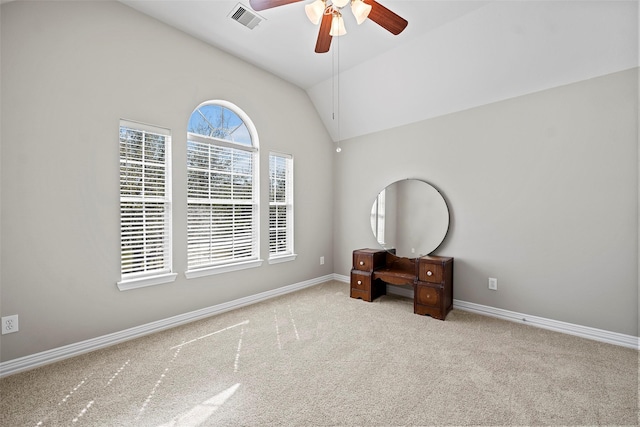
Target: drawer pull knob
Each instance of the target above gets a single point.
(361, 262)
(359, 282)
(429, 273)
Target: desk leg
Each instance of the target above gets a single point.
(378, 288)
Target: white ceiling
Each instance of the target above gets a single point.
(453, 55)
(284, 42)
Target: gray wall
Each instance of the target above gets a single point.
(543, 189)
(70, 71)
(543, 193)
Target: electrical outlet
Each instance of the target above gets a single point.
(9, 324)
(493, 284)
(321, 260)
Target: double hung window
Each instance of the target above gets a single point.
(145, 205)
(222, 191)
(280, 208)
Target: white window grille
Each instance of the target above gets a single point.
(280, 208)
(222, 191)
(145, 205)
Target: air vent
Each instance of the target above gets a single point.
(245, 16)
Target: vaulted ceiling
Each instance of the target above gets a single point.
(453, 55)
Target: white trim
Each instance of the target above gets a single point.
(127, 285)
(225, 268)
(210, 140)
(609, 337)
(240, 112)
(282, 258)
(162, 275)
(341, 278)
(290, 208)
(553, 325)
(54, 355)
(145, 127)
(253, 148)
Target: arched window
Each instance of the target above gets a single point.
(222, 194)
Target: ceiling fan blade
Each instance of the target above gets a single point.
(324, 38)
(268, 4)
(386, 18)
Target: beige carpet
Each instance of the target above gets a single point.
(319, 358)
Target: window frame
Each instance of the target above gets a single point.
(165, 273)
(228, 265)
(289, 253)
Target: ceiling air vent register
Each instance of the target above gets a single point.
(246, 17)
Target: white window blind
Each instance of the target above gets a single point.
(222, 213)
(145, 201)
(280, 205)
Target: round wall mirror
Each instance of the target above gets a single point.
(410, 218)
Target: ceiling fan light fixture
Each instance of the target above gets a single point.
(360, 10)
(315, 11)
(328, 13)
(337, 25)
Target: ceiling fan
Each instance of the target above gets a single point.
(329, 14)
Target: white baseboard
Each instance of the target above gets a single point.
(46, 357)
(554, 325)
(54, 355)
(341, 278)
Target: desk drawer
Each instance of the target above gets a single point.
(435, 269)
(430, 272)
(360, 281)
(368, 259)
(428, 295)
(364, 286)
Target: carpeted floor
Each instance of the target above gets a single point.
(319, 358)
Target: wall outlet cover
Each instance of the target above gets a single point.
(9, 324)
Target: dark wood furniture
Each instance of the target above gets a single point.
(430, 276)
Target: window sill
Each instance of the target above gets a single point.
(208, 271)
(282, 258)
(127, 285)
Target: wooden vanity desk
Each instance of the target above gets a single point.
(430, 276)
